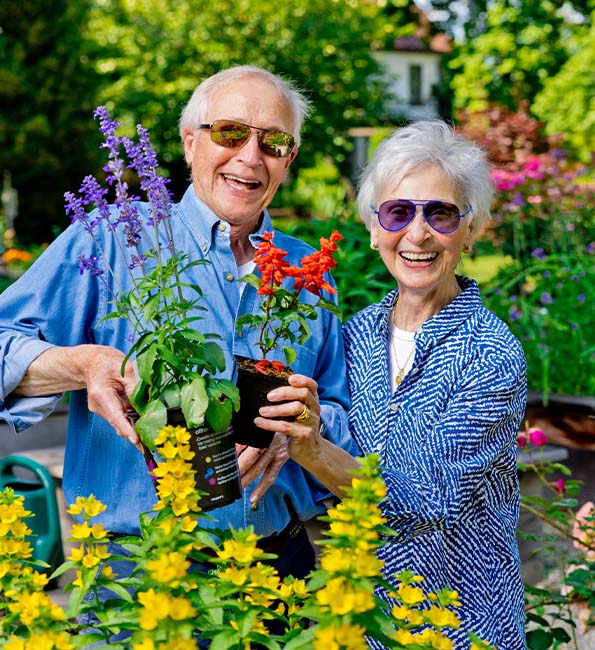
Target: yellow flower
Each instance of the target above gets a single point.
(404, 637)
(434, 639)
(145, 644)
(156, 607)
(242, 551)
(341, 598)
(439, 617)
(87, 506)
(84, 531)
(344, 637)
(410, 595)
(235, 575)
(170, 567)
(181, 609)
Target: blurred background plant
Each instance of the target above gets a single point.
(561, 607)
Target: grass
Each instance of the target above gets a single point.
(483, 268)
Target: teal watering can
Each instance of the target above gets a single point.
(38, 488)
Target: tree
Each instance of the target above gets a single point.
(155, 53)
(47, 93)
(567, 101)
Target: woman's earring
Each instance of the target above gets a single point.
(374, 245)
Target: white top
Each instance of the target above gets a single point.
(402, 353)
(243, 270)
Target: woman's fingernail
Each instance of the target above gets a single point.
(272, 395)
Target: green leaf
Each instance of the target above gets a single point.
(144, 363)
(194, 402)
(171, 395)
(139, 396)
(290, 355)
(153, 419)
(539, 639)
(219, 414)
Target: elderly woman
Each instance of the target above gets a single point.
(437, 386)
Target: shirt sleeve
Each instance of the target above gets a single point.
(469, 456)
(49, 305)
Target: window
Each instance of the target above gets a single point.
(415, 85)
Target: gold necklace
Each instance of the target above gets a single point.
(400, 370)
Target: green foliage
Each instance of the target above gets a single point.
(556, 607)
(155, 53)
(48, 87)
(548, 305)
(567, 101)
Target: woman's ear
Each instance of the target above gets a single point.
(373, 237)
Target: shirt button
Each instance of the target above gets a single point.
(204, 248)
(221, 226)
(379, 447)
(394, 407)
(229, 277)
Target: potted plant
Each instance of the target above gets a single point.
(282, 317)
(177, 365)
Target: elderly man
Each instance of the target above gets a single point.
(52, 339)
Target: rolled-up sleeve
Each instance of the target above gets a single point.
(46, 307)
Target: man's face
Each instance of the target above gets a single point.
(237, 184)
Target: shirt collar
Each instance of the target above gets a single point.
(447, 319)
(202, 221)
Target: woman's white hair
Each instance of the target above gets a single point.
(434, 142)
(196, 110)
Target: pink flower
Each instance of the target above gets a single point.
(537, 437)
(560, 486)
(521, 439)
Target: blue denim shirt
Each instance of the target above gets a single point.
(53, 305)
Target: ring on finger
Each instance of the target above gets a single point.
(304, 415)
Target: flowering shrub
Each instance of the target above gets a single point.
(175, 362)
(187, 584)
(282, 315)
(560, 610)
(548, 305)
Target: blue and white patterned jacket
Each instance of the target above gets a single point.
(447, 440)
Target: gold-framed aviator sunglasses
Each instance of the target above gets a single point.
(232, 134)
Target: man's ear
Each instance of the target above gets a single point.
(291, 158)
(188, 139)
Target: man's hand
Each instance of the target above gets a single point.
(268, 462)
(94, 367)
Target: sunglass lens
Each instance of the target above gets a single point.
(442, 216)
(276, 143)
(395, 215)
(229, 134)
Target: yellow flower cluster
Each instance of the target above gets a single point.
(422, 618)
(341, 596)
(157, 606)
(13, 530)
(41, 641)
(342, 637)
(176, 487)
(33, 606)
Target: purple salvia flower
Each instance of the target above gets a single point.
(89, 264)
(581, 297)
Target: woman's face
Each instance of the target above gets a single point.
(418, 257)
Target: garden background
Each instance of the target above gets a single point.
(520, 79)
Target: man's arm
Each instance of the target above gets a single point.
(97, 368)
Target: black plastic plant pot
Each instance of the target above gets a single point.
(254, 386)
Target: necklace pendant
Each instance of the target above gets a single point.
(400, 375)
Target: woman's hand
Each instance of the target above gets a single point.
(300, 406)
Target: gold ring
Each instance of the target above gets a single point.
(304, 415)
